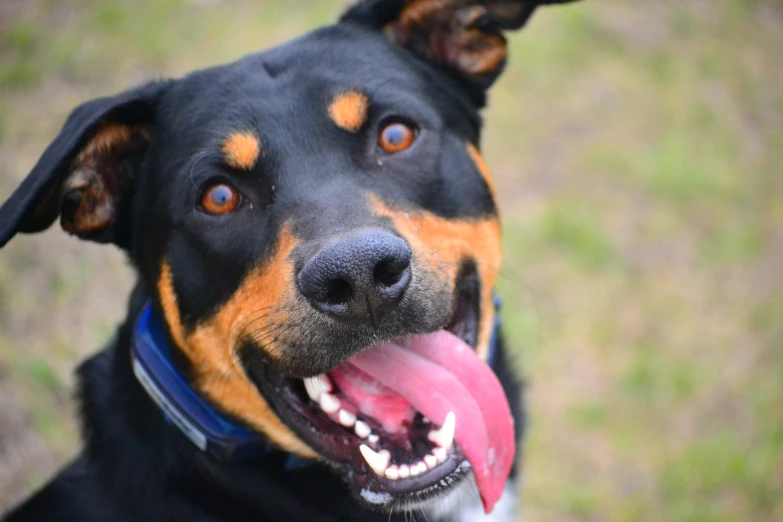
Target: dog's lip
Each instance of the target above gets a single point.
(339, 448)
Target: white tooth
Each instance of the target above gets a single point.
(329, 403)
(405, 471)
(378, 461)
(373, 439)
(431, 461)
(362, 429)
(324, 383)
(313, 388)
(440, 454)
(418, 468)
(444, 437)
(346, 418)
(392, 472)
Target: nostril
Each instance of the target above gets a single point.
(338, 292)
(387, 274)
(360, 275)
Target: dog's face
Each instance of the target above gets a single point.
(267, 172)
(319, 231)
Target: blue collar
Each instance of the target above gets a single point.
(211, 431)
(208, 429)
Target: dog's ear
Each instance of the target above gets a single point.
(85, 174)
(464, 36)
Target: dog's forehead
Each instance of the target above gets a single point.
(288, 86)
(339, 52)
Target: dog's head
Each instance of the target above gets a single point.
(318, 229)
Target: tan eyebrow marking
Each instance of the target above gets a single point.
(349, 110)
(241, 150)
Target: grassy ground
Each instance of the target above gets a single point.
(637, 147)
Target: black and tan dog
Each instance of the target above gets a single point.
(313, 332)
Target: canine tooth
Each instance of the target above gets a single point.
(392, 472)
(440, 454)
(346, 418)
(373, 439)
(324, 383)
(405, 471)
(418, 468)
(378, 461)
(444, 437)
(362, 429)
(329, 403)
(431, 461)
(313, 388)
(317, 385)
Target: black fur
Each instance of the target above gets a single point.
(136, 466)
(311, 175)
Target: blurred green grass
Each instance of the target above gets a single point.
(637, 149)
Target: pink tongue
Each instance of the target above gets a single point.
(438, 373)
(373, 399)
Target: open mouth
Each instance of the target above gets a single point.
(406, 420)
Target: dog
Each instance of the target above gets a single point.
(313, 335)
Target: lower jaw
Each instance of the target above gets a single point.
(342, 453)
(415, 493)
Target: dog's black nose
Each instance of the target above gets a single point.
(359, 276)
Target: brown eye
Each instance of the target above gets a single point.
(396, 137)
(219, 199)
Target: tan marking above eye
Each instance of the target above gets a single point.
(349, 110)
(481, 165)
(211, 347)
(241, 150)
(442, 244)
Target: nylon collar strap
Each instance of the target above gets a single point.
(211, 431)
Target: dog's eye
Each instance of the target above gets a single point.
(396, 137)
(219, 199)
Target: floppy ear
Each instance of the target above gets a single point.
(464, 36)
(85, 174)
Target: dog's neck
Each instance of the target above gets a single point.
(152, 469)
